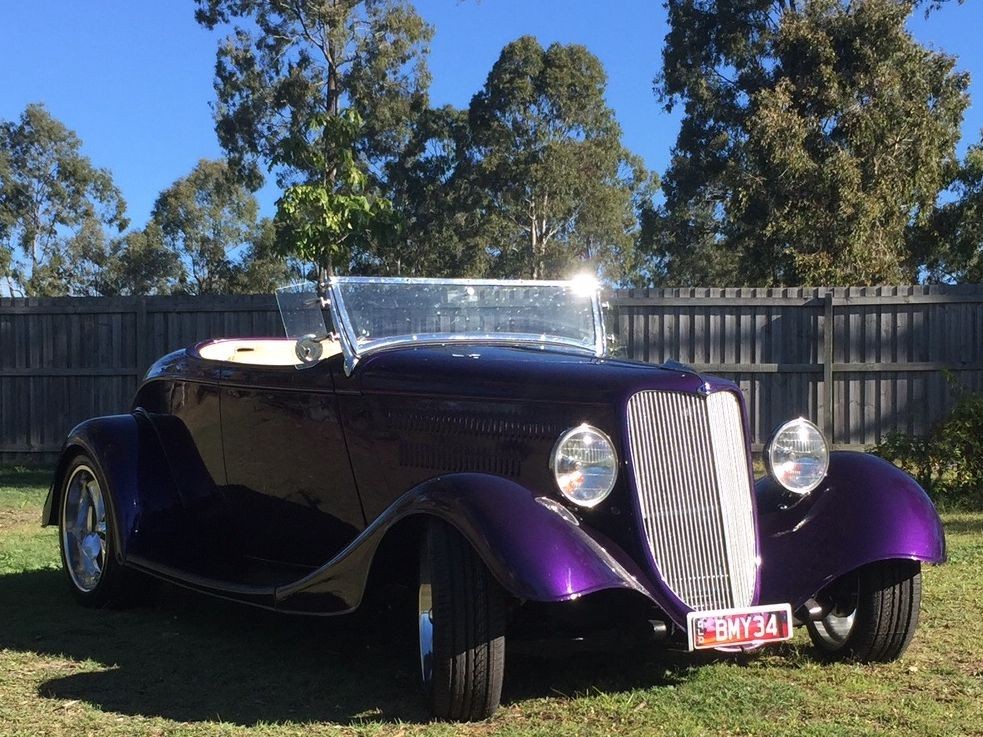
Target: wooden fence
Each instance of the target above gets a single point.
(862, 362)
(65, 359)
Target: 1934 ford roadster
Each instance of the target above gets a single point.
(473, 440)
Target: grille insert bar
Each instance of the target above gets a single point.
(693, 487)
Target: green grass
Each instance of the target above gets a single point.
(190, 665)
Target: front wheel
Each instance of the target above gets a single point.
(872, 613)
(461, 619)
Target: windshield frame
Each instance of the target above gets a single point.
(353, 352)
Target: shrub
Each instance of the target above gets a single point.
(948, 461)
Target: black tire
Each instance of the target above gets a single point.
(463, 666)
(114, 586)
(873, 613)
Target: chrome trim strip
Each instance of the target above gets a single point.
(457, 282)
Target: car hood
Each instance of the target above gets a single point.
(522, 373)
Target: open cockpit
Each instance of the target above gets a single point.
(261, 351)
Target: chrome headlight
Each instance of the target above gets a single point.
(584, 465)
(797, 456)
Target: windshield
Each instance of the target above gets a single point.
(300, 311)
(375, 313)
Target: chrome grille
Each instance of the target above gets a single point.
(691, 474)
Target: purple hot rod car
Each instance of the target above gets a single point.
(472, 441)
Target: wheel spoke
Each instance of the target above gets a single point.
(82, 509)
(89, 571)
(99, 508)
(72, 541)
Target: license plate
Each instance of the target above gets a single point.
(731, 627)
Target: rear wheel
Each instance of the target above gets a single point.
(461, 611)
(873, 613)
(87, 535)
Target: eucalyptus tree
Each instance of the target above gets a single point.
(814, 133)
(137, 263)
(204, 218)
(262, 268)
(323, 93)
(556, 185)
(54, 207)
(950, 242)
(443, 227)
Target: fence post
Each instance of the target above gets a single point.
(828, 365)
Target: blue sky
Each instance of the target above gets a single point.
(134, 79)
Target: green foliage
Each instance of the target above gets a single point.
(331, 221)
(950, 242)
(555, 185)
(948, 461)
(201, 218)
(331, 97)
(322, 226)
(444, 231)
(289, 66)
(261, 268)
(814, 134)
(322, 93)
(54, 207)
(203, 238)
(136, 263)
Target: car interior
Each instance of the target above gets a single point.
(262, 351)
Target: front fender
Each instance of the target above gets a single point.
(866, 510)
(534, 553)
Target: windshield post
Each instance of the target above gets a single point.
(345, 330)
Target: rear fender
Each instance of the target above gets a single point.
(533, 552)
(127, 452)
(866, 510)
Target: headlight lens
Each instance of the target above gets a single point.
(797, 456)
(584, 465)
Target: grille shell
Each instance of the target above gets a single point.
(693, 487)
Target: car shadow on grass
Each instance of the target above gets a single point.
(188, 657)
(192, 658)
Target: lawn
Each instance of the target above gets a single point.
(190, 665)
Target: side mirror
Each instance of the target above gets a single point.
(308, 349)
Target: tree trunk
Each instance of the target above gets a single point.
(533, 244)
(330, 170)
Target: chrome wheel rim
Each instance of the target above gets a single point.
(836, 627)
(83, 535)
(425, 622)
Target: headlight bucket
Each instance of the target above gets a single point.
(584, 465)
(797, 456)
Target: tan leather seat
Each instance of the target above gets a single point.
(261, 351)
